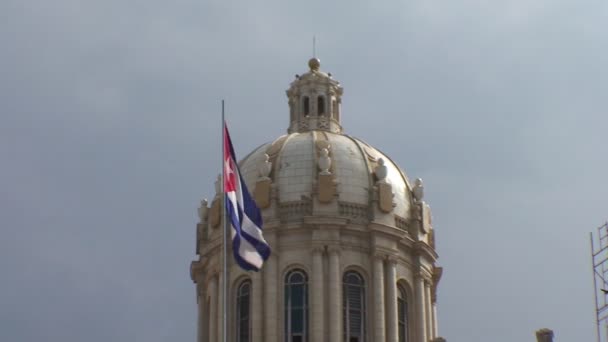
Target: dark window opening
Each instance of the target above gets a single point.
(296, 306)
(243, 312)
(306, 105)
(353, 300)
(320, 105)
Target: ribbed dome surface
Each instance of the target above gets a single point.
(295, 169)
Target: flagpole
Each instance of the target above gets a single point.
(225, 238)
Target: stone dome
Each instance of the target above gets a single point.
(342, 218)
(356, 169)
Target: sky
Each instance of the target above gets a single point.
(110, 128)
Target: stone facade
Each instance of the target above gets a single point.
(342, 217)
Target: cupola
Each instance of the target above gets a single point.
(314, 101)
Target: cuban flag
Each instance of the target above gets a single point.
(248, 245)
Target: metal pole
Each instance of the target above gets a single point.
(597, 321)
(225, 237)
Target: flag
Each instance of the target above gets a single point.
(248, 245)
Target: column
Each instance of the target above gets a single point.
(317, 295)
(202, 307)
(271, 299)
(334, 296)
(220, 308)
(420, 306)
(256, 307)
(378, 280)
(428, 310)
(435, 323)
(391, 300)
(213, 314)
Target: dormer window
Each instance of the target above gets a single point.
(306, 105)
(320, 105)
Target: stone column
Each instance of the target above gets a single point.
(271, 299)
(420, 306)
(429, 311)
(220, 308)
(435, 323)
(213, 313)
(334, 296)
(317, 319)
(202, 307)
(256, 307)
(391, 301)
(378, 280)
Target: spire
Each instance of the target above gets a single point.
(314, 101)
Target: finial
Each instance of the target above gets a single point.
(314, 64)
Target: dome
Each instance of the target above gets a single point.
(354, 170)
(338, 215)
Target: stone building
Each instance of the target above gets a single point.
(353, 247)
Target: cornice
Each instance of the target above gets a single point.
(325, 221)
(422, 249)
(387, 230)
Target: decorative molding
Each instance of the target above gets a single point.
(356, 212)
(436, 276)
(295, 210)
(401, 223)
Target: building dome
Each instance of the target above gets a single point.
(353, 250)
(355, 170)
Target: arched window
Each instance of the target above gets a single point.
(243, 317)
(320, 105)
(296, 306)
(306, 105)
(354, 307)
(402, 319)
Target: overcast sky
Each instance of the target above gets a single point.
(109, 137)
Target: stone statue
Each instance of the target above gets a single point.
(324, 162)
(381, 171)
(203, 210)
(265, 167)
(418, 190)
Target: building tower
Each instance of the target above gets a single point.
(353, 249)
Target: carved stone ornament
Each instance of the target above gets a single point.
(203, 211)
(263, 188)
(418, 190)
(327, 187)
(381, 171)
(385, 197)
(324, 162)
(265, 167)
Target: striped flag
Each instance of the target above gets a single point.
(248, 245)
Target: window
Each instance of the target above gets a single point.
(306, 105)
(402, 320)
(354, 307)
(320, 105)
(296, 306)
(243, 312)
